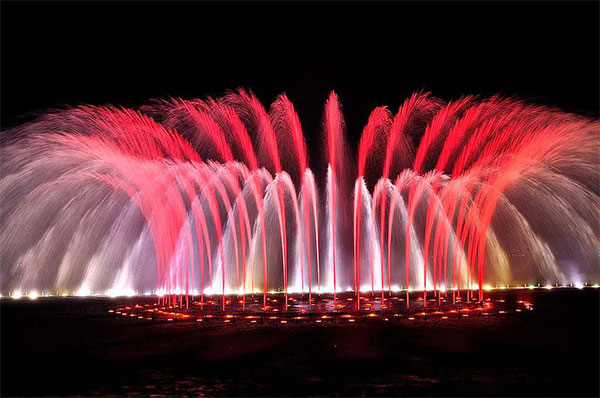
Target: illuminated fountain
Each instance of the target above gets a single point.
(193, 200)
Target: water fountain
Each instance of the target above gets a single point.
(214, 201)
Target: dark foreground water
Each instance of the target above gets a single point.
(71, 346)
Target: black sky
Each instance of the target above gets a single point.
(371, 54)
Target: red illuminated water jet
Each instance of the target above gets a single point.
(229, 205)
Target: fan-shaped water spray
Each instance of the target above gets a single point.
(191, 197)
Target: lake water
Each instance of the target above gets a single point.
(74, 347)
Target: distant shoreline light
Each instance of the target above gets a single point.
(127, 293)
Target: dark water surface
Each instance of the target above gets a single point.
(73, 347)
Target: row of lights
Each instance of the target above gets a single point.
(130, 293)
(349, 318)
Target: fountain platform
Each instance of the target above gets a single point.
(323, 308)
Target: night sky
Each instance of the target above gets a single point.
(125, 54)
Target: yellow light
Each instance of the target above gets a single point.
(83, 291)
(548, 287)
(17, 295)
(33, 295)
(116, 292)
